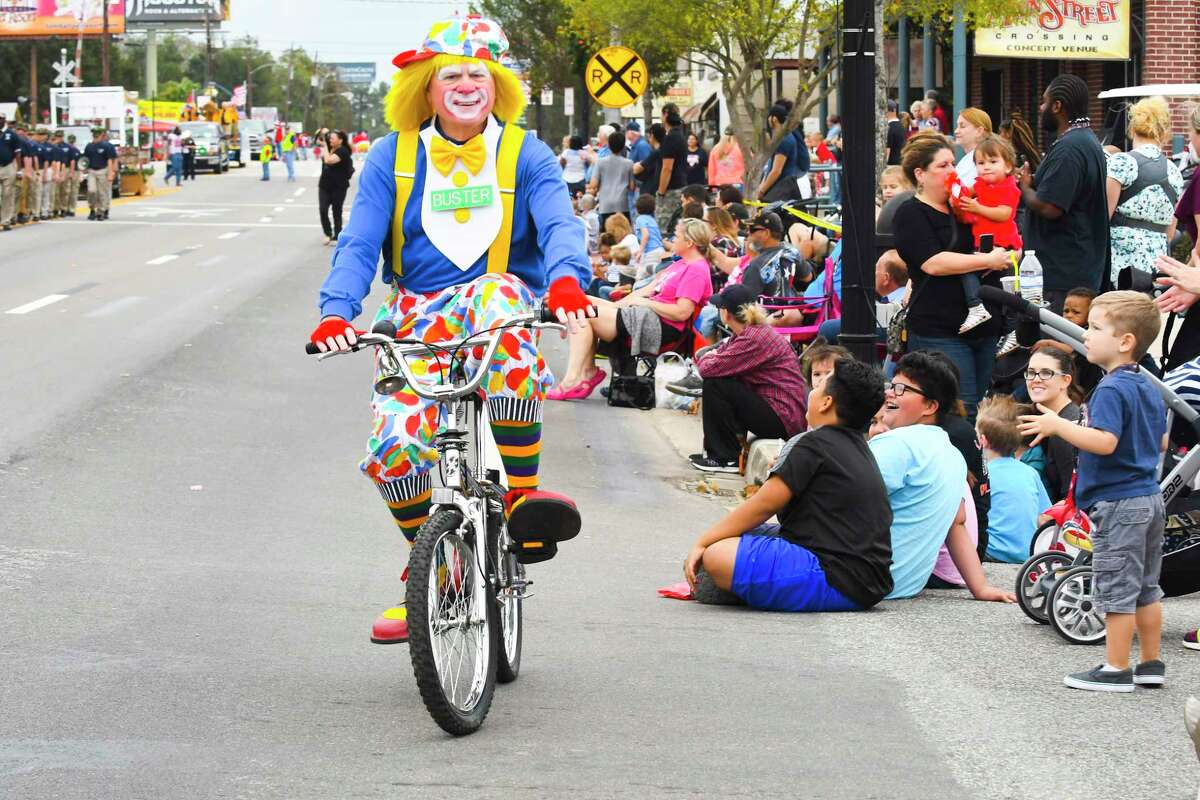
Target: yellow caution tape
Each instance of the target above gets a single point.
(806, 217)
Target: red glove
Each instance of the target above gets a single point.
(566, 295)
(334, 328)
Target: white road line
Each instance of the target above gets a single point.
(212, 262)
(115, 306)
(265, 219)
(36, 304)
(289, 200)
(230, 235)
(154, 262)
(161, 223)
(278, 209)
(298, 192)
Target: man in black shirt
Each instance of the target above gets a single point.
(672, 176)
(10, 155)
(832, 549)
(102, 169)
(72, 180)
(1067, 200)
(894, 139)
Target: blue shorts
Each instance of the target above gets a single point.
(774, 574)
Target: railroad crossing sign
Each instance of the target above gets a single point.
(616, 76)
(64, 69)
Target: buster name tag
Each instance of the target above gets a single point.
(464, 197)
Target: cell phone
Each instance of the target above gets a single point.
(986, 243)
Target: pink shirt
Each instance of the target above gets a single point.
(944, 566)
(691, 280)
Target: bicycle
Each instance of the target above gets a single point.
(466, 577)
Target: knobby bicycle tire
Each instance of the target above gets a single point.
(448, 521)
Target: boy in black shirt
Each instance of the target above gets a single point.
(832, 549)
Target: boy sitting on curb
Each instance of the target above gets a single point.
(831, 550)
(1116, 481)
(1018, 495)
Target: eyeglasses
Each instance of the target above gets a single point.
(1041, 374)
(898, 389)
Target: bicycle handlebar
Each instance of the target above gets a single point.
(383, 334)
(540, 318)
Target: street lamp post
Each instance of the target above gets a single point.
(249, 74)
(858, 209)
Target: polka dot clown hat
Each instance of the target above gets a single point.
(471, 36)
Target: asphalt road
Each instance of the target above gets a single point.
(189, 565)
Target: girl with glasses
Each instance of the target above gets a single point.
(1049, 378)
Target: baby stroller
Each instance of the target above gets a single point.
(1054, 587)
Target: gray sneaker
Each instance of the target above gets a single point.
(1150, 673)
(1099, 679)
(691, 385)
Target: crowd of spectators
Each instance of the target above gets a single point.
(954, 461)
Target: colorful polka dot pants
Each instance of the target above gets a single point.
(400, 451)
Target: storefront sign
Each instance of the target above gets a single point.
(40, 18)
(1058, 29)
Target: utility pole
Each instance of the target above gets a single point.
(33, 84)
(104, 45)
(287, 105)
(208, 70)
(151, 63)
(858, 182)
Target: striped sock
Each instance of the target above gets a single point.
(409, 501)
(520, 445)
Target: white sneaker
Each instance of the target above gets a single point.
(976, 315)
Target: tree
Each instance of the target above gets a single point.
(736, 38)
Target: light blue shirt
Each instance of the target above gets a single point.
(924, 475)
(1018, 496)
(817, 287)
(642, 222)
(546, 240)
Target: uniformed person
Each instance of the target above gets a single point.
(34, 206)
(72, 180)
(10, 157)
(59, 146)
(49, 170)
(102, 169)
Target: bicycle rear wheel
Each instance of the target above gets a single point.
(451, 639)
(509, 617)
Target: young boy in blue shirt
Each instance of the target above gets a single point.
(1018, 495)
(1117, 482)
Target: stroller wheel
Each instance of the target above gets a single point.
(1036, 580)
(1047, 538)
(1070, 608)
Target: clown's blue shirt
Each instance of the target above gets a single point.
(548, 240)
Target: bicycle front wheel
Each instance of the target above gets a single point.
(451, 639)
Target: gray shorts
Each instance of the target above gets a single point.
(1127, 553)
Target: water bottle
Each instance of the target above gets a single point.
(1031, 277)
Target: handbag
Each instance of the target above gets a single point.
(633, 387)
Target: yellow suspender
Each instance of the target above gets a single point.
(406, 167)
(506, 175)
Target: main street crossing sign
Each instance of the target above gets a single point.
(616, 76)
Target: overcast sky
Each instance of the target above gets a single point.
(340, 30)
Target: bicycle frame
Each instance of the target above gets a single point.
(474, 495)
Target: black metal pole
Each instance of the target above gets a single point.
(858, 180)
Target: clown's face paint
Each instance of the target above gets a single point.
(463, 93)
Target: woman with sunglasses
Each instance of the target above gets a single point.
(1049, 378)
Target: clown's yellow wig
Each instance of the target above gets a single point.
(407, 103)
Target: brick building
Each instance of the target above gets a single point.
(1164, 48)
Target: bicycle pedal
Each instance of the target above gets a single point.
(534, 551)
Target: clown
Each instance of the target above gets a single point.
(474, 224)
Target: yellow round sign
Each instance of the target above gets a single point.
(616, 76)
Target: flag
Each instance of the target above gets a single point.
(239, 96)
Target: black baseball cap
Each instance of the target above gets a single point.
(733, 297)
(768, 220)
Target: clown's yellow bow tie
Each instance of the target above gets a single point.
(472, 154)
